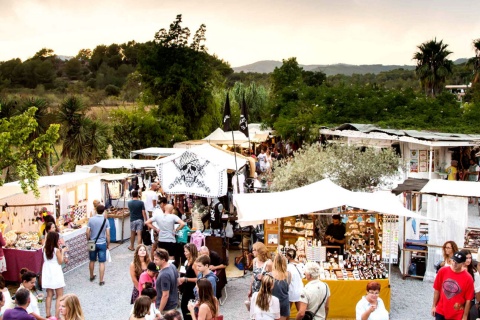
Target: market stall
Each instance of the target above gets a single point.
(371, 237)
(447, 202)
(67, 198)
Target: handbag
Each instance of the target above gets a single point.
(92, 245)
(309, 315)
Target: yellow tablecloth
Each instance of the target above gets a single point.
(344, 295)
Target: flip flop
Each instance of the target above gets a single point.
(93, 278)
(102, 283)
(131, 249)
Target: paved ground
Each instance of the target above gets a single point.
(410, 299)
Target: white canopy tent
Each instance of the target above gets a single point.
(254, 208)
(156, 152)
(220, 137)
(124, 163)
(447, 201)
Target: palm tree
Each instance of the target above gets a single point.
(84, 139)
(433, 65)
(476, 60)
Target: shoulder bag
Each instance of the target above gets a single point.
(92, 245)
(309, 315)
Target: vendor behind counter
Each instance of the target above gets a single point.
(335, 234)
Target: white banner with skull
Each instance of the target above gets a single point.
(189, 173)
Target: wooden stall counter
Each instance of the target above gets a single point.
(344, 295)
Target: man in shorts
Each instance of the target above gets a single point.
(166, 229)
(103, 242)
(137, 217)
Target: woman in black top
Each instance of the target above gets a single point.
(188, 282)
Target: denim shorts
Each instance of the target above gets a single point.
(100, 251)
(136, 225)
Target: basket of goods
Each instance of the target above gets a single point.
(10, 238)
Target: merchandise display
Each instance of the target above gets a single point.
(472, 238)
(364, 244)
(22, 240)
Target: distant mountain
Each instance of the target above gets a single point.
(268, 66)
(460, 61)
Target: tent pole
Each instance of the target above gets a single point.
(235, 155)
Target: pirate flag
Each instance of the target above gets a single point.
(227, 115)
(244, 118)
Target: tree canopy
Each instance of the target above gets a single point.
(19, 151)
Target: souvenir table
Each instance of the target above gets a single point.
(344, 295)
(18, 259)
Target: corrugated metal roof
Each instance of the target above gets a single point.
(421, 135)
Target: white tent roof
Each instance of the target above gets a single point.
(156, 152)
(220, 137)
(216, 155)
(9, 190)
(66, 179)
(125, 163)
(452, 188)
(253, 208)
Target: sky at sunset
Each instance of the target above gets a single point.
(243, 32)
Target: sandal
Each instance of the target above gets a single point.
(102, 283)
(93, 278)
(131, 249)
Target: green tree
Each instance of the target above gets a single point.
(181, 78)
(73, 69)
(433, 66)
(348, 166)
(288, 75)
(83, 139)
(19, 152)
(475, 61)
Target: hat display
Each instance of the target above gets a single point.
(459, 257)
(152, 267)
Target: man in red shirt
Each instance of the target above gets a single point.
(453, 290)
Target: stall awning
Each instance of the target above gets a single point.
(452, 188)
(116, 177)
(220, 137)
(411, 184)
(67, 179)
(125, 163)
(155, 152)
(253, 208)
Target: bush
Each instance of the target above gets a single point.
(112, 90)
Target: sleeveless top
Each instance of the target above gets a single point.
(189, 273)
(256, 272)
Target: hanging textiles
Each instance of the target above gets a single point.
(189, 173)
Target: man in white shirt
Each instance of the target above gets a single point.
(150, 199)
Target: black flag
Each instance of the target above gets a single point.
(227, 115)
(244, 118)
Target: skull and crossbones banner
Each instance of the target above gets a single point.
(189, 173)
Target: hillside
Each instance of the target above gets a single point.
(268, 66)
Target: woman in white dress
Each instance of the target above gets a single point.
(296, 285)
(52, 273)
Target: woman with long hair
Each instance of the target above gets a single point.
(137, 267)
(208, 308)
(282, 282)
(187, 283)
(141, 308)
(52, 273)
(470, 268)
(264, 304)
(70, 308)
(448, 249)
(29, 279)
(261, 265)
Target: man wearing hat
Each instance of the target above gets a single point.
(335, 234)
(453, 290)
(148, 276)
